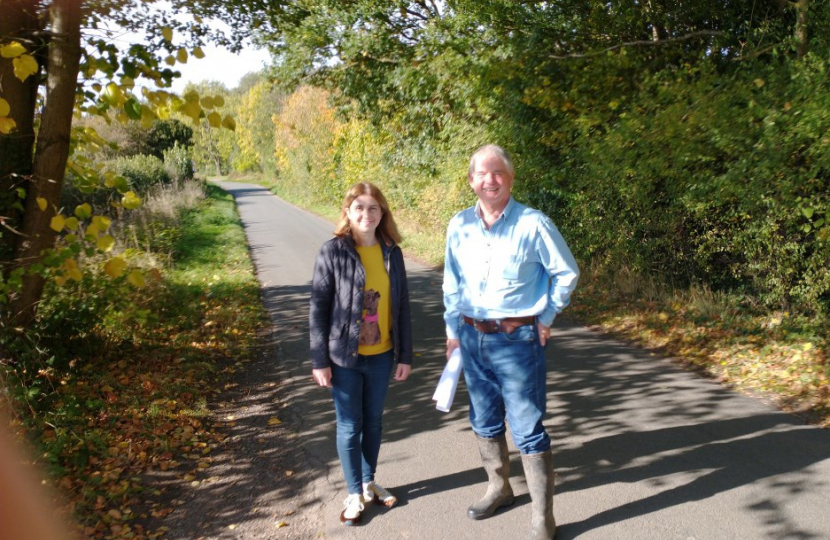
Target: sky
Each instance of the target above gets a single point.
(220, 65)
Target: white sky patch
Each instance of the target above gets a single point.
(221, 65)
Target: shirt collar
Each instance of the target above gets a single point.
(511, 203)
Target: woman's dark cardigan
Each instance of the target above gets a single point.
(337, 304)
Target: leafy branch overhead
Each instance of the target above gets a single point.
(58, 63)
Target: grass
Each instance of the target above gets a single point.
(104, 416)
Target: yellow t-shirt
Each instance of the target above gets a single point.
(375, 330)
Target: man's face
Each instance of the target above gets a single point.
(491, 181)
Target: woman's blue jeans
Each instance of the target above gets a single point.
(506, 373)
(359, 394)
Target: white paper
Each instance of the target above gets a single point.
(445, 392)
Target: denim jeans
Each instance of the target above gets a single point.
(506, 372)
(359, 394)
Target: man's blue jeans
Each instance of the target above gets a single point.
(359, 394)
(506, 372)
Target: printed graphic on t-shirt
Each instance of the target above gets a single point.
(370, 331)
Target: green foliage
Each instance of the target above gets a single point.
(122, 378)
(714, 180)
(255, 127)
(684, 145)
(141, 171)
(164, 135)
(680, 144)
(214, 149)
(319, 157)
(177, 163)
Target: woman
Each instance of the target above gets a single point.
(360, 328)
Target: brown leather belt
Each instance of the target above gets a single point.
(494, 326)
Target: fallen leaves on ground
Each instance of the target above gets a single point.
(120, 416)
(767, 354)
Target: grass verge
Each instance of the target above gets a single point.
(137, 401)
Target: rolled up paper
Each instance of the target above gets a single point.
(445, 392)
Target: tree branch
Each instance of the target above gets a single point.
(432, 10)
(417, 15)
(639, 42)
(755, 54)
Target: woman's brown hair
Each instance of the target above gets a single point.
(387, 228)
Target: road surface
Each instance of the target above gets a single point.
(642, 449)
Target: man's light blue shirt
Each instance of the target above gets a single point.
(518, 267)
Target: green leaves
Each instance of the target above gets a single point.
(133, 109)
(131, 201)
(83, 211)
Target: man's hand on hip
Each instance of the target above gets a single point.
(544, 333)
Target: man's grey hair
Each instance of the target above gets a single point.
(500, 152)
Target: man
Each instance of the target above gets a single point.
(507, 273)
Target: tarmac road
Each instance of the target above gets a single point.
(643, 450)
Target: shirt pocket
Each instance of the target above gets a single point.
(512, 269)
(511, 272)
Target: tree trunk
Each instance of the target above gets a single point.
(18, 23)
(801, 28)
(652, 19)
(51, 152)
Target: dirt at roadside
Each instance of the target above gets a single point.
(258, 484)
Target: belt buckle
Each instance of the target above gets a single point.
(490, 326)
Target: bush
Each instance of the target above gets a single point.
(142, 172)
(164, 135)
(177, 163)
(715, 180)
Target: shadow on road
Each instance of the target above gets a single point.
(616, 415)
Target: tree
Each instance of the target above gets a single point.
(57, 59)
(213, 149)
(255, 127)
(600, 102)
(165, 134)
(63, 55)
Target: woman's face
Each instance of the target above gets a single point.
(364, 214)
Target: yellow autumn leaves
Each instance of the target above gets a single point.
(24, 65)
(181, 52)
(94, 232)
(162, 104)
(6, 124)
(195, 107)
(192, 105)
(118, 96)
